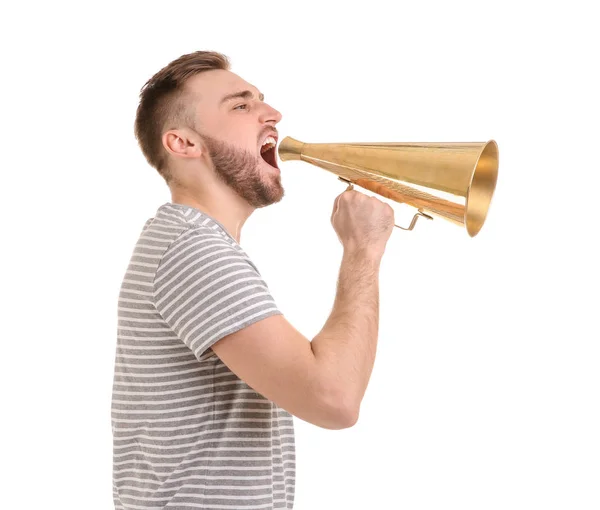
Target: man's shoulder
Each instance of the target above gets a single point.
(198, 243)
(199, 235)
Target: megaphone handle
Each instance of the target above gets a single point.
(414, 220)
(415, 217)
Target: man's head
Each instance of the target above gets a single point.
(200, 126)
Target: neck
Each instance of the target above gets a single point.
(226, 209)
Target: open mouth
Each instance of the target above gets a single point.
(267, 151)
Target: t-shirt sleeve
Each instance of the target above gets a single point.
(205, 289)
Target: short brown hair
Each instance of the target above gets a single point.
(163, 104)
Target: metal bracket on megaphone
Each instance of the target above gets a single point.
(415, 217)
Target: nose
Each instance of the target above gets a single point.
(269, 114)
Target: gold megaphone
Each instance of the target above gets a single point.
(454, 181)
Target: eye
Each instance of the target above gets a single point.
(241, 106)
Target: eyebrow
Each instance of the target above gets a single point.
(244, 94)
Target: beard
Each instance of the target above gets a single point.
(240, 170)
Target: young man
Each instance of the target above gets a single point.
(208, 372)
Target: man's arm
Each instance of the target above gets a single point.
(345, 348)
(322, 382)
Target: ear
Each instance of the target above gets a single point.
(182, 143)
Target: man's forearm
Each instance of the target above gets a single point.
(345, 348)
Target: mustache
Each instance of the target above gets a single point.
(268, 131)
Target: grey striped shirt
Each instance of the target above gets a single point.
(187, 432)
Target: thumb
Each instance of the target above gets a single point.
(336, 205)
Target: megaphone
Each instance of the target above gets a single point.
(454, 181)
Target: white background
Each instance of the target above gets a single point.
(486, 388)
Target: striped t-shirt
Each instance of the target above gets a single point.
(188, 433)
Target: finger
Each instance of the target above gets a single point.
(336, 204)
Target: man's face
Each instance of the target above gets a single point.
(235, 123)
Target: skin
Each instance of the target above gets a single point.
(216, 166)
